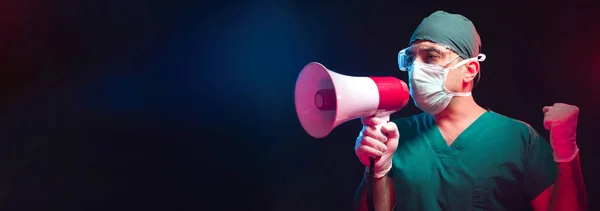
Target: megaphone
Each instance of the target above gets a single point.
(325, 99)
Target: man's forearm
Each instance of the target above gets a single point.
(569, 193)
(383, 194)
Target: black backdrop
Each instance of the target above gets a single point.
(175, 105)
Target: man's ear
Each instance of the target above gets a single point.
(472, 69)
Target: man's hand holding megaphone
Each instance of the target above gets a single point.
(378, 140)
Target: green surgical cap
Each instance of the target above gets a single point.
(453, 30)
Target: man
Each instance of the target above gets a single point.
(457, 155)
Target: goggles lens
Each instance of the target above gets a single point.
(426, 53)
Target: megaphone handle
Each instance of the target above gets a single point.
(370, 179)
(371, 175)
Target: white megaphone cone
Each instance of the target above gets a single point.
(325, 99)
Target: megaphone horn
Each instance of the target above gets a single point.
(325, 99)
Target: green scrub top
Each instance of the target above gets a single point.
(497, 163)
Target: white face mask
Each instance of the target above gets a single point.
(427, 85)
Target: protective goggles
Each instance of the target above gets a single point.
(433, 54)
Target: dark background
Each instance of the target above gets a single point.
(176, 105)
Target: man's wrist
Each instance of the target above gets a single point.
(564, 157)
(565, 150)
(376, 174)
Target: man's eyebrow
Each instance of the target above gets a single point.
(429, 49)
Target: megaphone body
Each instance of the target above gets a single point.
(325, 99)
